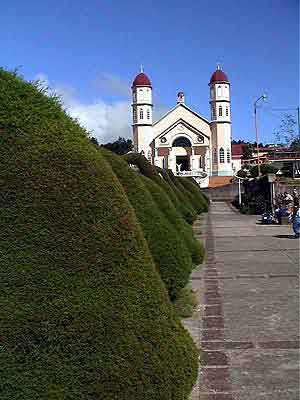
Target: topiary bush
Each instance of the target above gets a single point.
(190, 212)
(84, 313)
(169, 251)
(167, 207)
(199, 201)
(156, 174)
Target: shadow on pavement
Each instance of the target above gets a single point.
(285, 236)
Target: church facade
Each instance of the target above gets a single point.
(182, 140)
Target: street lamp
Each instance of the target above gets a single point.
(263, 97)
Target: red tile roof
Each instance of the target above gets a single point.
(237, 149)
(219, 76)
(141, 80)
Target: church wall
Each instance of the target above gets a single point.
(163, 151)
(181, 113)
(221, 135)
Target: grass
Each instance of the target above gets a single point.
(186, 303)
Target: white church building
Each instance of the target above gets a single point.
(182, 140)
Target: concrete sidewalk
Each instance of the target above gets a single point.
(247, 323)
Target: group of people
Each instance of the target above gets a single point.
(288, 205)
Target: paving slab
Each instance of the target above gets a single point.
(247, 321)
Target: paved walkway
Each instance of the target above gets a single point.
(247, 323)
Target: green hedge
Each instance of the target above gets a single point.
(197, 197)
(166, 245)
(181, 193)
(156, 174)
(84, 313)
(167, 207)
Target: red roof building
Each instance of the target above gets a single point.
(219, 76)
(141, 80)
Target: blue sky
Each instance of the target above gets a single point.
(90, 52)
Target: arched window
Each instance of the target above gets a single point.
(222, 155)
(148, 114)
(228, 156)
(215, 156)
(227, 111)
(219, 91)
(141, 95)
(181, 141)
(134, 115)
(141, 113)
(220, 111)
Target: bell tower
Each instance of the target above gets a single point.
(220, 123)
(142, 113)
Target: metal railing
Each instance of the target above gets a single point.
(195, 172)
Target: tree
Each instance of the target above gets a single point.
(120, 146)
(264, 169)
(94, 141)
(295, 144)
(247, 151)
(286, 132)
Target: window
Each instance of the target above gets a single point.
(215, 156)
(164, 163)
(134, 96)
(213, 112)
(141, 95)
(228, 156)
(134, 115)
(222, 155)
(141, 113)
(148, 114)
(200, 162)
(227, 111)
(181, 141)
(220, 111)
(219, 91)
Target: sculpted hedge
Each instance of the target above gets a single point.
(169, 251)
(84, 313)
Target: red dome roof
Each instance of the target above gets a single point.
(219, 76)
(141, 80)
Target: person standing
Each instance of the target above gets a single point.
(295, 218)
(295, 198)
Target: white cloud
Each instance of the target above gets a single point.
(105, 121)
(111, 84)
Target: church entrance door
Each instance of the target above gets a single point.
(183, 163)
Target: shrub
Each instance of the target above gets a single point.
(186, 302)
(168, 249)
(181, 226)
(84, 314)
(199, 201)
(156, 174)
(180, 193)
(264, 169)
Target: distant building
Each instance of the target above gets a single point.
(182, 140)
(280, 156)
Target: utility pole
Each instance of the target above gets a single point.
(298, 118)
(263, 97)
